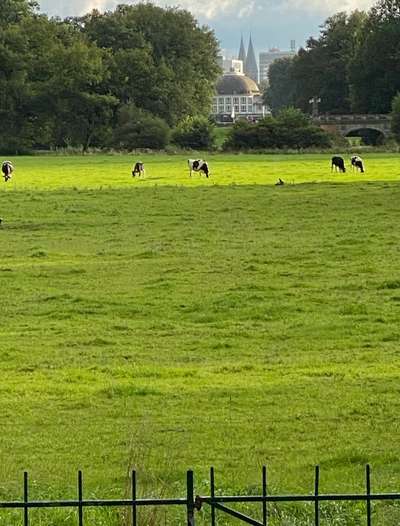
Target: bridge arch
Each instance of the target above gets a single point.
(373, 128)
(370, 135)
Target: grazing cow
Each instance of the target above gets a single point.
(138, 169)
(357, 163)
(7, 168)
(338, 162)
(198, 165)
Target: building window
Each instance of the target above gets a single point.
(235, 100)
(243, 108)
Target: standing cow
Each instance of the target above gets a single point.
(7, 168)
(357, 163)
(138, 169)
(338, 163)
(198, 165)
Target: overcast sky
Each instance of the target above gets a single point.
(273, 23)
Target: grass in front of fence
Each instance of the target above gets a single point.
(169, 327)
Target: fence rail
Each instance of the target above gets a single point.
(193, 504)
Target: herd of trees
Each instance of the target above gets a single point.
(117, 79)
(354, 65)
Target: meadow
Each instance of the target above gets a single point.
(169, 323)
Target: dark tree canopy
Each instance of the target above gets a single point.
(64, 82)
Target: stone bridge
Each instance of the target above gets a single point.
(351, 124)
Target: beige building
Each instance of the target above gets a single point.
(237, 96)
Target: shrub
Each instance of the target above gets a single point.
(194, 133)
(290, 129)
(137, 128)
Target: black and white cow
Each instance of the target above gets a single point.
(138, 169)
(338, 163)
(198, 165)
(7, 168)
(357, 163)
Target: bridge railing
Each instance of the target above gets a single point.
(353, 118)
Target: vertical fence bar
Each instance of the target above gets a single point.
(212, 493)
(190, 498)
(80, 498)
(264, 494)
(26, 499)
(316, 493)
(133, 487)
(368, 481)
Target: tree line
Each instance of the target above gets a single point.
(353, 66)
(120, 78)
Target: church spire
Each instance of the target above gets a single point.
(242, 52)
(251, 68)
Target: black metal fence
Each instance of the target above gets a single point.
(192, 504)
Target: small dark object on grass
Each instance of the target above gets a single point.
(138, 169)
(280, 182)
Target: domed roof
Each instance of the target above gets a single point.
(236, 84)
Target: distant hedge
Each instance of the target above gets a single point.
(289, 129)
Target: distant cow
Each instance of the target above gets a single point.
(7, 168)
(357, 163)
(198, 165)
(138, 169)
(338, 163)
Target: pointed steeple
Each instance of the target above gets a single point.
(251, 68)
(242, 52)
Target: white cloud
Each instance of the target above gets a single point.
(321, 6)
(212, 9)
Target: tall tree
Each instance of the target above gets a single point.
(323, 68)
(12, 11)
(375, 68)
(281, 89)
(161, 60)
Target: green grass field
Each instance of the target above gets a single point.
(170, 323)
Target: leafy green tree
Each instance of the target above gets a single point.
(280, 91)
(12, 11)
(159, 59)
(375, 68)
(195, 133)
(322, 69)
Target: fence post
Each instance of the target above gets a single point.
(212, 494)
(190, 498)
(26, 499)
(316, 492)
(80, 498)
(368, 481)
(133, 482)
(264, 493)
